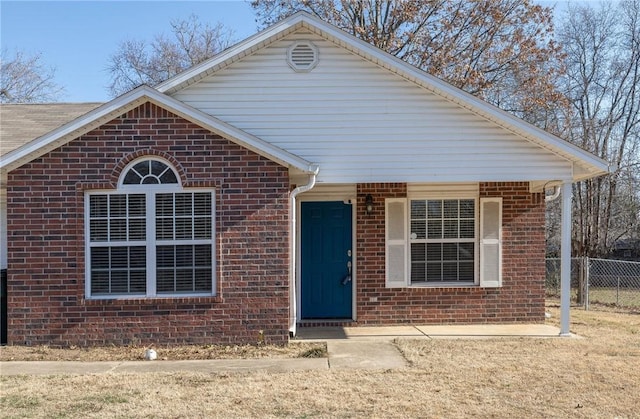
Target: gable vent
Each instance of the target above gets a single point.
(302, 56)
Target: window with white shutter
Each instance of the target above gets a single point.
(151, 237)
(396, 242)
(443, 242)
(491, 242)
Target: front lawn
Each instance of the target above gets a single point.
(597, 375)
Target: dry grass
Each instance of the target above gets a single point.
(596, 376)
(623, 297)
(173, 353)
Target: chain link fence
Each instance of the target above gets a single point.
(600, 281)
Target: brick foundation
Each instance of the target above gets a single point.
(45, 212)
(520, 299)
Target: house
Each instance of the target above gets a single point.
(301, 177)
(626, 249)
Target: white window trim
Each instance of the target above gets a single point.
(150, 243)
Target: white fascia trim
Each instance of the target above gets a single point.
(132, 99)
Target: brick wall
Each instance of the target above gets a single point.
(45, 213)
(520, 299)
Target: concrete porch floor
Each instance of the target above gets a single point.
(427, 332)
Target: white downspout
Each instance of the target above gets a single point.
(293, 298)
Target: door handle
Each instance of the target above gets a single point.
(347, 278)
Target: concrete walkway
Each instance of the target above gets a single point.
(373, 348)
(348, 348)
(203, 366)
(390, 333)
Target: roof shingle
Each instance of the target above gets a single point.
(21, 123)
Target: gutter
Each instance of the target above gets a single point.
(293, 296)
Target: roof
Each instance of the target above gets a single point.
(21, 123)
(122, 104)
(586, 164)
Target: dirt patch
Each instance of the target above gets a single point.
(174, 353)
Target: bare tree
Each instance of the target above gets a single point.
(602, 83)
(500, 50)
(25, 79)
(139, 62)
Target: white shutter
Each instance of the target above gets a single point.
(491, 242)
(396, 242)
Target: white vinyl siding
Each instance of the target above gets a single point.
(362, 123)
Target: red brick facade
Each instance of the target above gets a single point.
(520, 299)
(45, 212)
(46, 247)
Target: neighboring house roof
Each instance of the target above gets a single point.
(131, 100)
(21, 123)
(627, 244)
(584, 164)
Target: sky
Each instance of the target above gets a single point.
(77, 37)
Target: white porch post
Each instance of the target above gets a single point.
(565, 259)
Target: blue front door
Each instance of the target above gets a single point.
(326, 251)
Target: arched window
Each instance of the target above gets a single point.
(151, 237)
(149, 172)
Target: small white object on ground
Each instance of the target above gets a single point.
(150, 355)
